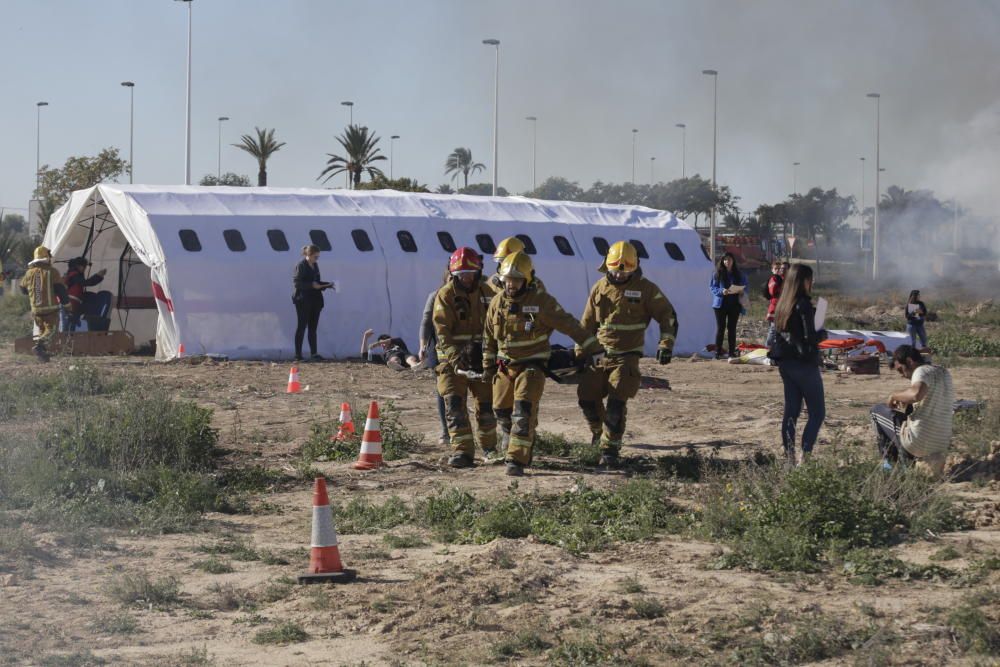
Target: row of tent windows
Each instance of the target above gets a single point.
(276, 237)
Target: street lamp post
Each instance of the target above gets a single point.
(878, 169)
(38, 140)
(861, 225)
(187, 117)
(218, 174)
(683, 149)
(350, 106)
(651, 161)
(795, 177)
(634, 132)
(392, 153)
(496, 106)
(715, 138)
(534, 146)
(131, 120)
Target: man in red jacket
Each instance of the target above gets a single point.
(774, 284)
(81, 302)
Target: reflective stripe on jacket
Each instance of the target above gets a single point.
(458, 317)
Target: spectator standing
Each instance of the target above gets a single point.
(916, 312)
(308, 300)
(796, 350)
(429, 359)
(916, 423)
(778, 269)
(727, 283)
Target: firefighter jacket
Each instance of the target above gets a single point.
(619, 314)
(458, 317)
(518, 328)
(43, 284)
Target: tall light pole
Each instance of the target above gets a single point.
(861, 226)
(878, 169)
(683, 149)
(38, 140)
(392, 153)
(496, 106)
(651, 161)
(187, 117)
(795, 177)
(131, 123)
(634, 132)
(218, 173)
(534, 146)
(715, 138)
(350, 106)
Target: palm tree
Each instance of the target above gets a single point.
(460, 162)
(359, 145)
(262, 148)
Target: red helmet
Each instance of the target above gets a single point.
(465, 259)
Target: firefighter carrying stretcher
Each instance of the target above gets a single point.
(459, 311)
(516, 350)
(618, 311)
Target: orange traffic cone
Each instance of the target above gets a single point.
(346, 430)
(294, 386)
(180, 351)
(324, 557)
(371, 442)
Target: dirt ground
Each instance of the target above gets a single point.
(451, 604)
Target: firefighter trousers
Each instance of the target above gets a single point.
(46, 323)
(455, 388)
(516, 395)
(617, 379)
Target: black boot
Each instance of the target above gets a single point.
(515, 469)
(460, 460)
(40, 353)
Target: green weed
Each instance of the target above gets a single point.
(397, 441)
(873, 566)
(363, 516)
(648, 608)
(522, 644)
(408, 541)
(288, 632)
(120, 623)
(132, 587)
(213, 566)
(974, 631)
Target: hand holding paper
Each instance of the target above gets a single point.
(820, 318)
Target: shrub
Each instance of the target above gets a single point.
(780, 519)
(363, 516)
(873, 566)
(288, 632)
(976, 429)
(974, 631)
(131, 587)
(578, 452)
(528, 642)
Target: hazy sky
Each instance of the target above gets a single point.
(792, 84)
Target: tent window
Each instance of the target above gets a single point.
(189, 240)
(529, 245)
(448, 243)
(640, 249)
(361, 240)
(674, 251)
(563, 245)
(705, 252)
(406, 241)
(601, 244)
(234, 240)
(320, 240)
(277, 240)
(486, 244)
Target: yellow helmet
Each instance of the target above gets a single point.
(508, 246)
(622, 257)
(517, 265)
(41, 252)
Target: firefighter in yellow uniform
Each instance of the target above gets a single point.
(459, 312)
(619, 309)
(509, 246)
(43, 284)
(516, 349)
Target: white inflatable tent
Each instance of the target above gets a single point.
(210, 267)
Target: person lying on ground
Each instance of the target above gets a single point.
(388, 350)
(915, 424)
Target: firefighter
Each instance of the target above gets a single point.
(618, 310)
(43, 285)
(459, 311)
(509, 246)
(516, 349)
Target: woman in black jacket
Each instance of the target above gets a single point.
(308, 300)
(797, 353)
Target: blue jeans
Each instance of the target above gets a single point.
(916, 329)
(803, 382)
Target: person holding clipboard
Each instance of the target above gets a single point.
(308, 300)
(916, 311)
(728, 284)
